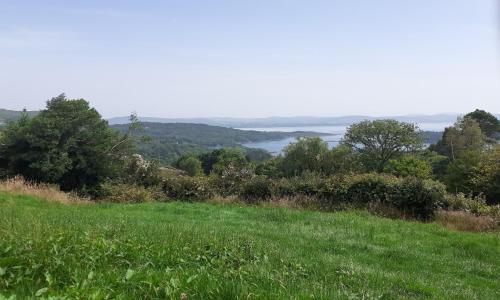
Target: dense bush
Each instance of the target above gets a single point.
(187, 188)
(367, 188)
(258, 188)
(416, 197)
(190, 164)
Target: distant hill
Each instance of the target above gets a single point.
(292, 121)
(168, 141)
(12, 115)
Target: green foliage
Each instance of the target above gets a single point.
(460, 172)
(418, 198)
(259, 188)
(460, 139)
(270, 168)
(218, 159)
(409, 165)
(488, 123)
(381, 140)
(342, 160)
(185, 188)
(486, 176)
(139, 171)
(68, 143)
(257, 155)
(191, 165)
(305, 155)
(476, 205)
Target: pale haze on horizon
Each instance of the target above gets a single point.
(253, 58)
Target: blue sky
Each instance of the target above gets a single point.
(253, 58)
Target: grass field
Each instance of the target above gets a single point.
(203, 251)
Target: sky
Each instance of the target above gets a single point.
(257, 58)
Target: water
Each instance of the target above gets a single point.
(330, 134)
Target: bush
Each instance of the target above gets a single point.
(475, 205)
(367, 188)
(191, 165)
(129, 193)
(186, 188)
(415, 197)
(257, 189)
(229, 179)
(419, 198)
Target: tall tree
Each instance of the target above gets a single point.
(306, 154)
(68, 143)
(489, 124)
(463, 137)
(381, 140)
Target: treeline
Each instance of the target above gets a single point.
(379, 163)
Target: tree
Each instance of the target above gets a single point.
(219, 158)
(191, 165)
(409, 165)
(489, 124)
(486, 176)
(341, 160)
(68, 144)
(459, 173)
(381, 140)
(462, 138)
(306, 154)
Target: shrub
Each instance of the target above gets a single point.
(191, 165)
(187, 188)
(419, 198)
(257, 189)
(367, 188)
(129, 193)
(229, 179)
(409, 165)
(476, 205)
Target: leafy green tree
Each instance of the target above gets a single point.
(191, 165)
(341, 160)
(270, 168)
(460, 172)
(409, 165)
(68, 144)
(381, 140)
(488, 123)
(462, 138)
(306, 154)
(217, 159)
(486, 176)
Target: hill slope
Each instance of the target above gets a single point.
(207, 251)
(170, 140)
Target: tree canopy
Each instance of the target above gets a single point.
(381, 140)
(67, 143)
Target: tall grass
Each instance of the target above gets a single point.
(19, 185)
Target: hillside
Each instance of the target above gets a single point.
(293, 121)
(208, 251)
(170, 140)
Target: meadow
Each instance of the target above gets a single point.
(218, 251)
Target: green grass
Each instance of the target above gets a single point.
(157, 250)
